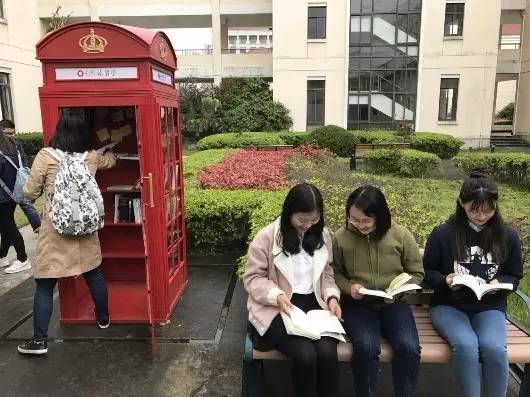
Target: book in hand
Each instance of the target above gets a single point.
(397, 286)
(480, 289)
(313, 324)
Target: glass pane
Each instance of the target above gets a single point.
(312, 28)
(384, 6)
(316, 12)
(367, 7)
(364, 63)
(384, 30)
(321, 28)
(383, 51)
(355, 6)
(403, 5)
(415, 5)
(383, 82)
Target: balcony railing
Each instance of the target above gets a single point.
(263, 50)
(194, 51)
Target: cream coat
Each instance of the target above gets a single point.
(269, 273)
(57, 255)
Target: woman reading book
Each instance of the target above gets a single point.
(474, 242)
(289, 265)
(370, 252)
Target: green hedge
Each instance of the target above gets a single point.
(336, 139)
(512, 168)
(294, 138)
(32, 142)
(443, 145)
(408, 162)
(238, 140)
(375, 136)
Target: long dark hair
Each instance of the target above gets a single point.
(372, 202)
(303, 197)
(481, 189)
(7, 145)
(72, 134)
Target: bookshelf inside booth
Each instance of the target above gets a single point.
(122, 237)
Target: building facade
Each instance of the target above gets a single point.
(439, 66)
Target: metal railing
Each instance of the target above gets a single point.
(194, 51)
(263, 50)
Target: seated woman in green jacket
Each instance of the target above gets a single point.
(370, 251)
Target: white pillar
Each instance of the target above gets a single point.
(216, 42)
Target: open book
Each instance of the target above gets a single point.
(313, 324)
(397, 286)
(480, 289)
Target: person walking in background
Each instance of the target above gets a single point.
(63, 255)
(9, 233)
(8, 128)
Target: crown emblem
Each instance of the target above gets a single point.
(92, 43)
(163, 51)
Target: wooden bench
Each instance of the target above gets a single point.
(267, 147)
(434, 349)
(361, 149)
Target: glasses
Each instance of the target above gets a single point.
(361, 222)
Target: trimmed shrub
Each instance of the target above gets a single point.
(32, 142)
(443, 145)
(414, 163)
(408, 162)
(238, 140)
(336, 139)
(382, 136)
(512, 168)
(294, 138)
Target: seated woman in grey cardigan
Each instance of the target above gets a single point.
(289, 265)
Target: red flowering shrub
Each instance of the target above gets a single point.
(252, 169)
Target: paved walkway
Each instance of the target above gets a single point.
(9, 281)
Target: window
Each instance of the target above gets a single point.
(243, 39)
(316, 101)
(262, 39)
(316, 22)
(232, 39)
(454, 19)
(252, 39)
(448, 99)
(6, 105)
(2, 9)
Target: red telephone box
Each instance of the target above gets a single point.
(121, 80)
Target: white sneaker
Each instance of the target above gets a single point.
(4, 262)
(18, 266)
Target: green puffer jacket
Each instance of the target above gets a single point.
(357, 258)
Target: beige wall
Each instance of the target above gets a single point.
(473, 59)
(17, 57)
(295, 60)
(522, 113)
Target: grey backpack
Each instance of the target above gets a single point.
(77, 205)
(21, 178)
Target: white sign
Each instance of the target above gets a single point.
(161, 77)
(113, 73)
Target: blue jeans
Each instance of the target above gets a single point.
(364, 323)
(31, 213)
(43, 300)
(473, 336)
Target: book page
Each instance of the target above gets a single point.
(398, 281)
(487, 288)
(373, 292)
(403, 288)
(324, 321)
(297, 323)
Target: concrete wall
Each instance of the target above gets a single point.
(522, 113)
(18, 35)
(297, 59)
(472, 58)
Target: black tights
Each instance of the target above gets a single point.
(9, 233)
(314, 362)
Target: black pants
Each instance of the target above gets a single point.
(365, 323)
(314, 362)
(9, 233)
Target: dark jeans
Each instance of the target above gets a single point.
(365, 323)
(31, 213)
(314, 362)
(43, 300)
(9, 233)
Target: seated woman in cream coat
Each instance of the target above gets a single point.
(289, 264)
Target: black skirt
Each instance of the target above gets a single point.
(270, 339)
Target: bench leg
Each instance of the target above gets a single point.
(524, 391)
(353, 163)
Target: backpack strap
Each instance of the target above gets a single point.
(56, 154)
(11, 161)
(7, 190)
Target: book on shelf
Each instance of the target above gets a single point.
(128, 156)
(313, 325)
(127, 209)
(479, 288)
(397, 286)
(120, 188)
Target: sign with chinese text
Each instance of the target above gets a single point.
(112, 73)
(161, 77)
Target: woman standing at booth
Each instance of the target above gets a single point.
(289, 264)
(474, 241)
(370, 251)
(64, 255)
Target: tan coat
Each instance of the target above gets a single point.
(57, 255)
(269, 273)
